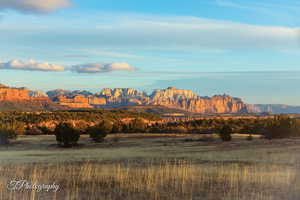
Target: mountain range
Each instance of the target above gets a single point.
(273, 108)
(171, 98)
(160, 100)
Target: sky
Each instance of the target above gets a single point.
(248, 49)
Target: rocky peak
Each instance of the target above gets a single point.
(58, 92)
(81, 92)
(173, 93)
(105, 92)
(38, 94)
(119, 92)
(170, 97)
(3, 86)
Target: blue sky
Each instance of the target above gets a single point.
(244, 48)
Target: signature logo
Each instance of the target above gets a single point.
(21, 185)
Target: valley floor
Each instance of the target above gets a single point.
(155, 166)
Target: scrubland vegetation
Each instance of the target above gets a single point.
(72, 124)
(135, 159)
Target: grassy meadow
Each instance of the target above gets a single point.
(154, 166)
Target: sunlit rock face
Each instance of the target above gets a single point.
(172, 93)
(38, 94)
(10, 94)
(170, 97)
(187, 100)
(13, 94)
(76, 101)
(123, 96)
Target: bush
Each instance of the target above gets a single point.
(225, 133)
(249, 137)
(66, 135)
(45, 130)
(138, 126)
(6, 135)
(33, 131)
(99, 132)
(178, 129)
(17, 127)
(281, 127)
(155, 129)
(117, 127)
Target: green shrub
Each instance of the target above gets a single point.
(45, 130)
(33, 131)
(155, 129)
(117, 127)
(136, 126)
(225, 133)
(66, 135)
(100, 131)
(6, 135)
(281, 127)
(178, 129)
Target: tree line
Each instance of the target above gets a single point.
(108, 122)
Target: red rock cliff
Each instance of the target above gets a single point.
(170, 97)
(13, 94)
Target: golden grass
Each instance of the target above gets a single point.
(153, 179)
(155, 166)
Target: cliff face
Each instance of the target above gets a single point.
(13, 94)
(123, 96)
(77, 101)
(170, 97)
(38, 94)
(21, 99)
(187, 100)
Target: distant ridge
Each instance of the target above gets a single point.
(160, 101)
(273, 108)
(22, 99)
(168, 99)
(171, 97)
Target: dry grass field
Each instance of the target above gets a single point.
(154, 166)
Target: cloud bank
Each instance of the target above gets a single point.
(30, 65)
(101, 68)
(34, 6)
(194, 32)
(156, 32)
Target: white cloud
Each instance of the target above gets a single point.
(34, 6)
(148, 37)
(30, 65)
(100, 68)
